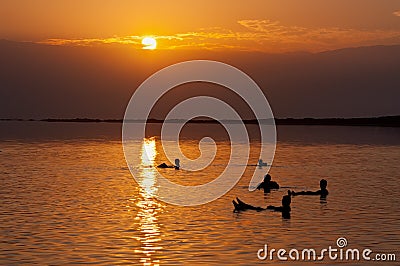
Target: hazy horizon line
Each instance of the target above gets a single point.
(383, 121)
(152, 118)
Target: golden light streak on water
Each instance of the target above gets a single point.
(149, 207)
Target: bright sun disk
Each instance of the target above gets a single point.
(149, 43)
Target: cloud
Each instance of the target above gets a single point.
(135, 40)
(273, 32)
(255, 35)
(397, 13)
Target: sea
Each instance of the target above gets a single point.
(68, 197)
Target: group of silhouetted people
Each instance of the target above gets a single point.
(285, 209)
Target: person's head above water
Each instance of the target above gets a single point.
(286, 200)
(267, 178)
(323, 184)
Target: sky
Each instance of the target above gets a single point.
(311, 58)
(265, 25)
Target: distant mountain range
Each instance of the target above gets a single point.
(39, 80)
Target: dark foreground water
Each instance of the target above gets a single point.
(67, 197)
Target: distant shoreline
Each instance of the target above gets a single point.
(384, 121)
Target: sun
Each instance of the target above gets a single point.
(149, 43)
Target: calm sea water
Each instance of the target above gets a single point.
(67, 197)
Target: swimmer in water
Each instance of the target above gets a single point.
(241, 206)
(267, 184)
(176, 166)
(284, 209)
(323, 192)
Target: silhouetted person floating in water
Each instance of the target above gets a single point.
(323, 192)
(176, 166)
(284, 209)
(241, 206)
(267, 184)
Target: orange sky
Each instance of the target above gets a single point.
(266, 25)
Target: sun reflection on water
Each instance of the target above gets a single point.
(149, 207)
